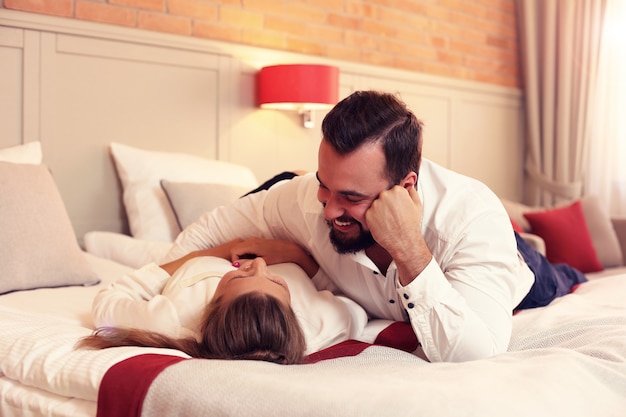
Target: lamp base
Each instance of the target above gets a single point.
(307, 118)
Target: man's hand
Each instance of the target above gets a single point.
(394, 219)
(221, 251)
(271, 250)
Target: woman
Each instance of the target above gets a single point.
(209, 307)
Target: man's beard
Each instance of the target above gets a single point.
(345, 245)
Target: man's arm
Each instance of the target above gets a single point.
(394, 220)
(459, 305)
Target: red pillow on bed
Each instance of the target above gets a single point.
(567, 237)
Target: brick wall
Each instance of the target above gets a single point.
(471, 40)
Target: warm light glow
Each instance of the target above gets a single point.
(297, 106)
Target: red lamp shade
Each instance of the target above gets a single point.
(298, 87)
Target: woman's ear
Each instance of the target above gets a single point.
(410, 180)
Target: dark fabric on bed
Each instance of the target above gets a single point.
(286, 175)
(551, 280)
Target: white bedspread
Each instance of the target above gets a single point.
(566, 359)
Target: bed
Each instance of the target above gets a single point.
(105, 185)
(568, 358)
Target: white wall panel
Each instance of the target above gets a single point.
(487, 143)
(97, 91)
(11, 85)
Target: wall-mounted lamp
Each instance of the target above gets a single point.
(300, 87)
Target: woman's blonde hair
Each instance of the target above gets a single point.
(253, 326)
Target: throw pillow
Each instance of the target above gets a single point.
(566, 236)
(190, 200)
(602, 233)
(150, 215)
(28, 153)
(39, 247)
(516, 212)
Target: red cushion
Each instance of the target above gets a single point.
(516, 227)
(566, 235)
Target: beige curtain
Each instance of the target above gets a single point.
(559, 42)
(605, 175)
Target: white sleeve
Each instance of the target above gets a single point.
(446, 327)
(135, 302)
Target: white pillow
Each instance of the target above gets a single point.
(28, 153)
(125, 249)
(150, 216)
(190, 200)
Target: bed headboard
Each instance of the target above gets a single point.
(76, 86)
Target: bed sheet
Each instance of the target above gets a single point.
(72, 303)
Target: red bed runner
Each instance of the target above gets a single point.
(125, 385)
(398, 335)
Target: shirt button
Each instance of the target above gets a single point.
(392, 301)
(410, 305)
(406, 296)
(375, 272)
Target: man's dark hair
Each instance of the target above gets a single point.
(366, 117)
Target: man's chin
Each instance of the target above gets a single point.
(344, 245)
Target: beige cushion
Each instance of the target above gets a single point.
(39, 248)
(190, 200)
(602, 232)
(516, 212)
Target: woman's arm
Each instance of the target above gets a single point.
(135, 301)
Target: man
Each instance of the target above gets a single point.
(403, 237)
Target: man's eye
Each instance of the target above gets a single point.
(354, 200)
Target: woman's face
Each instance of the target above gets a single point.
(252, 275)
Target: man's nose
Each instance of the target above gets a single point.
(333, 208)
